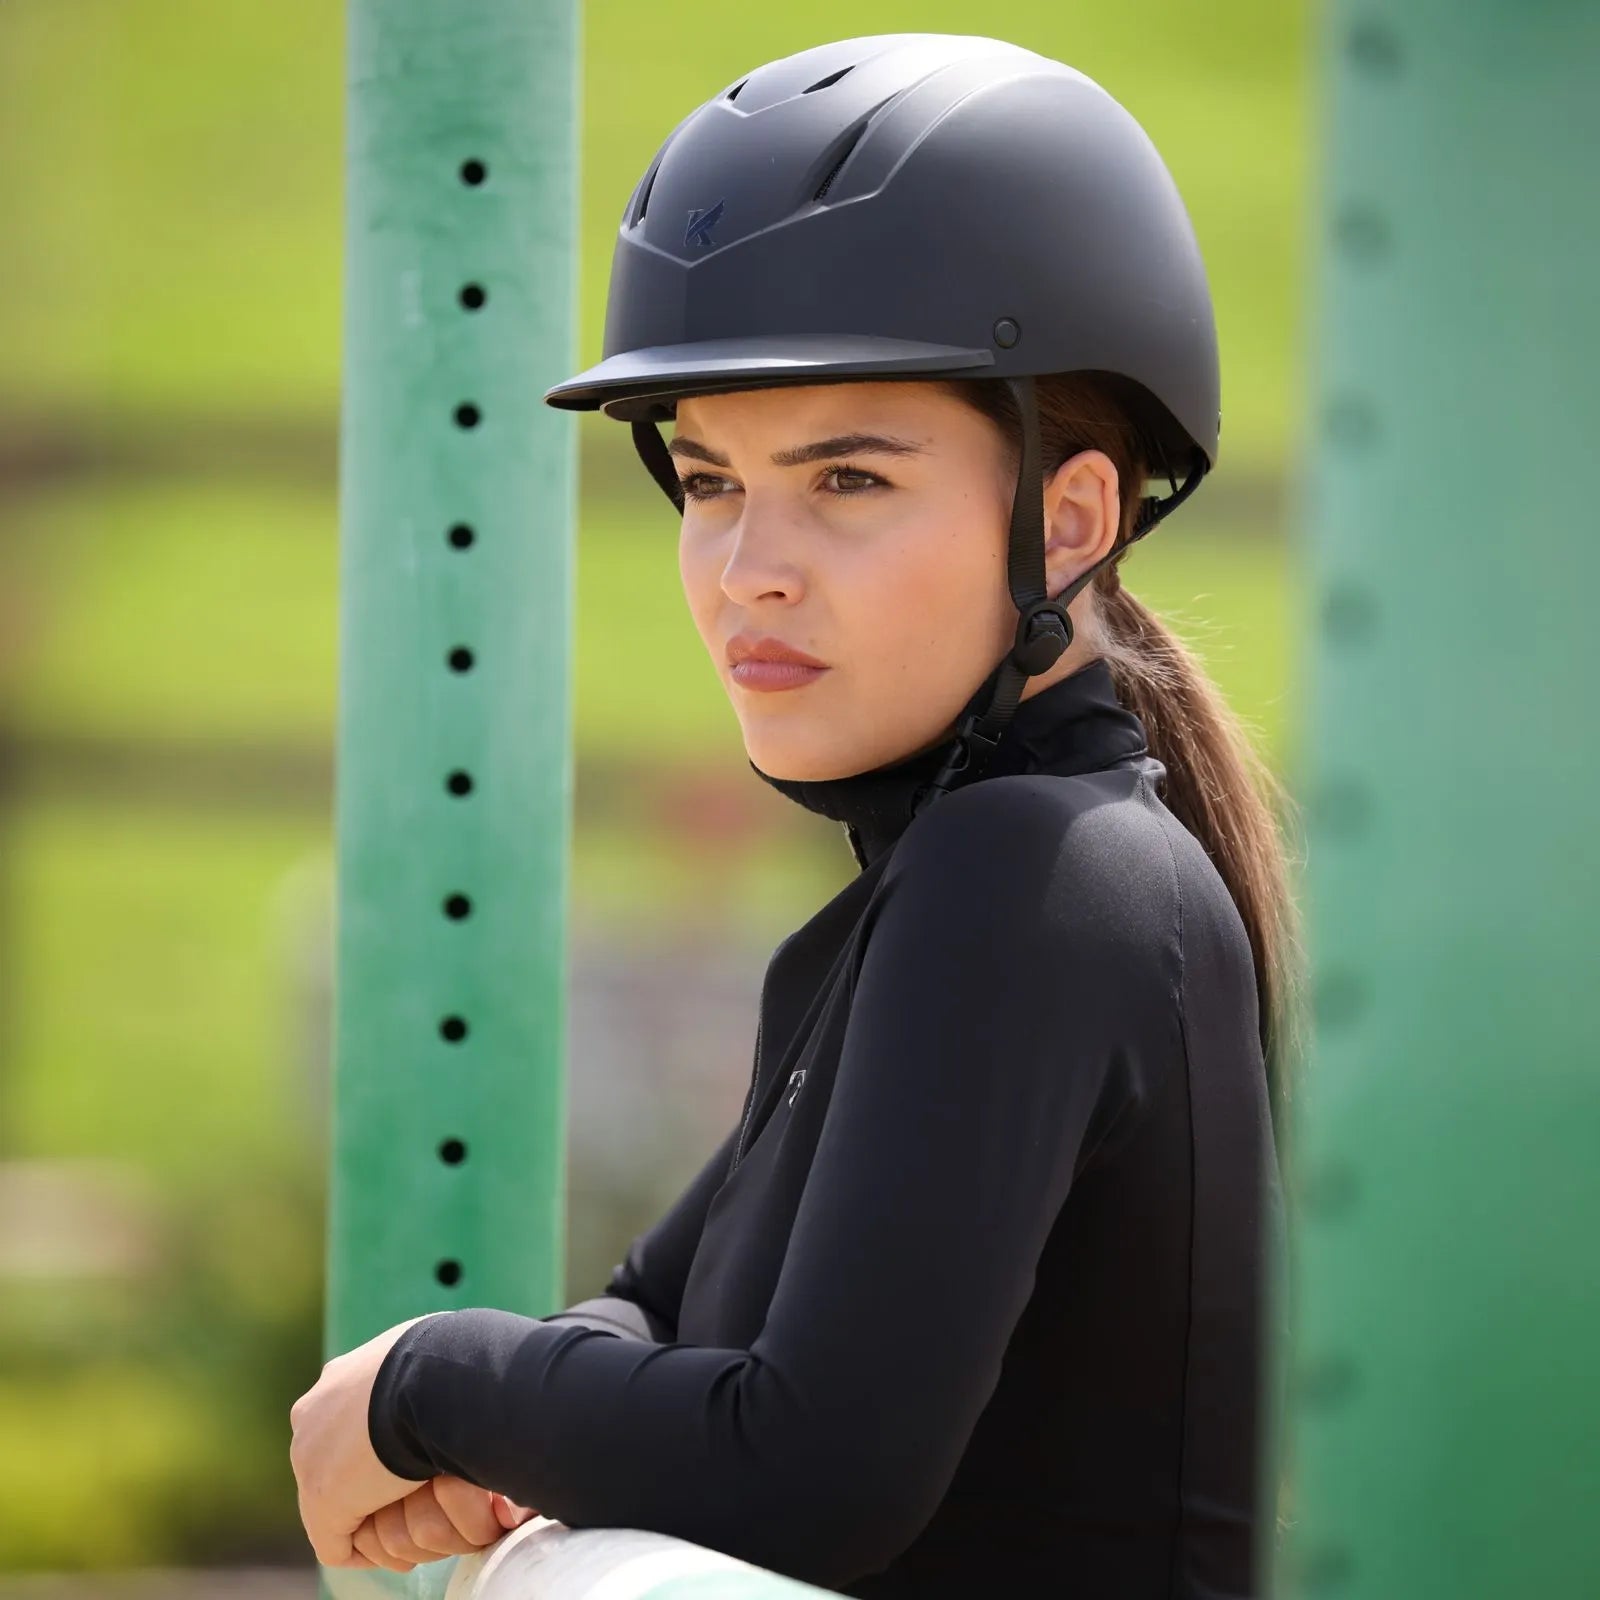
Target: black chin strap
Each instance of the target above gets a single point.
(653, 452)
(1044, 625)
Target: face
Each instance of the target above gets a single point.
(864, 527)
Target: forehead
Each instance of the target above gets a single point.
(917, 407)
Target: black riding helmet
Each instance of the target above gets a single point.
(916, 205)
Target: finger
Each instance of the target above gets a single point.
(508, 1513)
(394, 1534)
(330, 1550)
(431, 1528)
(348, 1557)
(467, 1506)
(342, 1556)
(366, 1540)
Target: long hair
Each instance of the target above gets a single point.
(1217, 785)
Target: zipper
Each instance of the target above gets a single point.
(755, 1070)
(749, 1100)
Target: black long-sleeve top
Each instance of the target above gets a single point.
(970, 1298)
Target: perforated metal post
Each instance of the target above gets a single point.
(457, 508)
(1446, 1416)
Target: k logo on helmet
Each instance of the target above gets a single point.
(701, 223)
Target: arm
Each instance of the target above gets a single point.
(646, 1288)
(978, 1054)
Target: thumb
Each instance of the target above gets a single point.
(508, 1513)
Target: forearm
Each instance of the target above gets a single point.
(715, 1446)
(615, 1313)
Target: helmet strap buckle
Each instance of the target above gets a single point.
(1044, 633)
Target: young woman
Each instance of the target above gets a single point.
(969, 1299)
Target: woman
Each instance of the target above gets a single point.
(970, 1296)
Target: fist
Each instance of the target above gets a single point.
(445, 1517)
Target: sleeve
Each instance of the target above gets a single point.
(979, 1053)
(641, 1300)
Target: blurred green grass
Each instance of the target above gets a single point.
(159, 980)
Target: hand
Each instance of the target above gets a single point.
(447, 1516)
(338, 1473)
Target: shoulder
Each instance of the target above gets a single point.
(1083, 860)
(1103, 828)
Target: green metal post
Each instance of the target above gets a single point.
(457, 490)
(1445, 1411)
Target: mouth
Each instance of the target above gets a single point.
(742, 647)
(769, 676)
(767, 664)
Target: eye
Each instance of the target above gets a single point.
(866, 480)
(847, 482)
(692, 485)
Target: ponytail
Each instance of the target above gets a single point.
(1221, 790)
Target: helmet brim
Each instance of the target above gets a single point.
(645, 385)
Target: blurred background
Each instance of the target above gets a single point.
(171, 189)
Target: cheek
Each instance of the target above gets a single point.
(698, 572)
(935, 601)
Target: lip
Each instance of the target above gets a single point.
(742, 647)
(767, 664)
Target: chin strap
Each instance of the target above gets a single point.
(1044, 625)
(652, 450)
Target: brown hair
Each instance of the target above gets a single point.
(1217, 785)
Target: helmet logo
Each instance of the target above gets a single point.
(701, 223)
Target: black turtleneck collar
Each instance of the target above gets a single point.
(1076, 725)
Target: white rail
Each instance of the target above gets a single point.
(546, 1560)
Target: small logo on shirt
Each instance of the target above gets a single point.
(701, 223)
(796, 1078)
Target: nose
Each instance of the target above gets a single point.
(763, 561)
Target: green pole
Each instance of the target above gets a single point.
(453, 793)
(1445, 1414)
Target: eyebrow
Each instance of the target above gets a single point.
(844, 444)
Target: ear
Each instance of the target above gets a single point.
(1082, 509)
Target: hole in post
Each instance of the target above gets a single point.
(473, 296)
(448, 1273)
(1350, 613)
(459, 783)
(461, 536)
(473, 173)
(1339, 998)
(1375, 48)
(467, 415)
(460, 659)
(452, 1152)
(457, 906)
(454, 1029)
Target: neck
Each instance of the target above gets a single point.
(1075, 724)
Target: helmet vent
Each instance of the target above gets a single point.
(852, 139)
(733, 93)
(644, 199)
(829, 81)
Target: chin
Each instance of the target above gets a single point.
(801, 760)
(795, 767)
(818, 754)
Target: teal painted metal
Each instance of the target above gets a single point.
(1446, 1417)
(457, 489)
